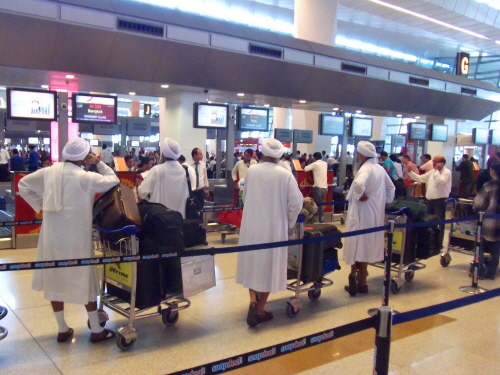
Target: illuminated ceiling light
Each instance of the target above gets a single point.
(209, 102)
(399, 115)
(165, 86)
(45, 86)
(497, 41)
(302, 101)
(417, 117)
(131, 93)
(240, 94)
(266, 105)
(70, 76)
(403, 10)
(113, 94)
(358, 111)
(336, 109)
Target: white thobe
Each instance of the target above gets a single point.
(272, 203)
(285, 164)
(373, 181)
(240, 169)
(67, 234)
(166, 184)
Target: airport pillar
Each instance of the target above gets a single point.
(309, 15)
(62, 124)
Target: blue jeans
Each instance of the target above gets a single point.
(319, 197)
(489, 269)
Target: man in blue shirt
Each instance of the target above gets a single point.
(16, 162)
(388, 165)
(33, 159)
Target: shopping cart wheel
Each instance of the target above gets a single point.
(103, 318)
(122, 343)
(290, 310)
(169, 317)
(410, 275)
(395, 288)
(342, 221)
(445, 259)
(223, 237)
(314, 294)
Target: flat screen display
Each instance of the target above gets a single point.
(495, 137)
(480, 136)
(24, 104)
(33, 140)
(95, 109)
(417, 131)
(134, 143)
(303, 136)
(254, 119)
(439, 133)
(94, 142)
(210, 115)
(331, 125)
(283, 135)
(361, 127)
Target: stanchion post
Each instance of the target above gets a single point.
(388, 263)
(474, 288)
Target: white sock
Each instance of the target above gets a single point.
(95, 327)
(63, 327)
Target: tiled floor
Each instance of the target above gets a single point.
(462, 341)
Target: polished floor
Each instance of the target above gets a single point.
(462, 341)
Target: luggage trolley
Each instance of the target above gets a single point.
(128, 244)
(295, 270)
(463, 234)
(406, 264)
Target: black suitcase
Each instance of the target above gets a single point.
(338, 196)
(318, 256)
(427, 239)
(193, 233)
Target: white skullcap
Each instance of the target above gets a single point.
(366, 149)
(76, 150)
(273, 148)
(170, 148)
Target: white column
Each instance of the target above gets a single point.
(316, 20)
(281, 118)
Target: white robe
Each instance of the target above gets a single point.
(372, 180)
(272, 203)
(166, 184)
(67, 234)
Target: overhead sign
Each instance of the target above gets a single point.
(462, 64)
(139, 126)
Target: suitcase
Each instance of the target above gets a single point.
(338, 196)
(193, 233)
(116, 209)
(427, 239)
(316, 256)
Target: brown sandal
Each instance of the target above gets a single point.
(106, 334)
(64, 336)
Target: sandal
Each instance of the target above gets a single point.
(266, 317)
(106, 334)
(252, 317)
(352, 288)
(64, 336)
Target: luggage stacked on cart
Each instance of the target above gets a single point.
(318, 258)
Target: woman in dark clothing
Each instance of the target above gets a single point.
(484, 176)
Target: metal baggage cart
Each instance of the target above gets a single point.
(3, 331)
(295, 254)
(462, 236)
(401, 267)
(168, 308)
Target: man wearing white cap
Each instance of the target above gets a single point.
(65, 192)
(272, 203)
(370, 191)
(166, 183)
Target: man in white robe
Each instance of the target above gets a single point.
(370, 191)
(66, 194)
(272, 203)
(166, 183)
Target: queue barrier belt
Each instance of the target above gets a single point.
(270, 352)
(214, 251)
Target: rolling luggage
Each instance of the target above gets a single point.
(193, 233)
(427, 239)
(338, 196)
(116, 208)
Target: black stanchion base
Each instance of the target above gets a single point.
(374, 311)
(472, 289)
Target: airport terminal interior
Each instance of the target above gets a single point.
(412, 77)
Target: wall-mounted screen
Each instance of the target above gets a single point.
(439, 132)
(32, 140)
(253, 119)
(139, 126)
(495, 137)
(25, 104)
(398, 141)
(417, 131)
(46, 141)
(96, 109)
(106, 129)
(283, 135)
(94, 142)
(210, 115)
(480, 136)
(361, 127)
(134, 143)
(303, 136)
(331, 125)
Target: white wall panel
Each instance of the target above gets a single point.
(188, 35)
(327, 62)
(88, 17)
(37, 8)
(398, 76)
(381, 73)
(436, 84)
(298, 56)
(228, 42)
(453, 87)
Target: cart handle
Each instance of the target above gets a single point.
(129, 229)
(402, 211)
(301, 219)
(450, 200)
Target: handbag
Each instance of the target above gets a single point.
(192, 210)
(116, 209)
